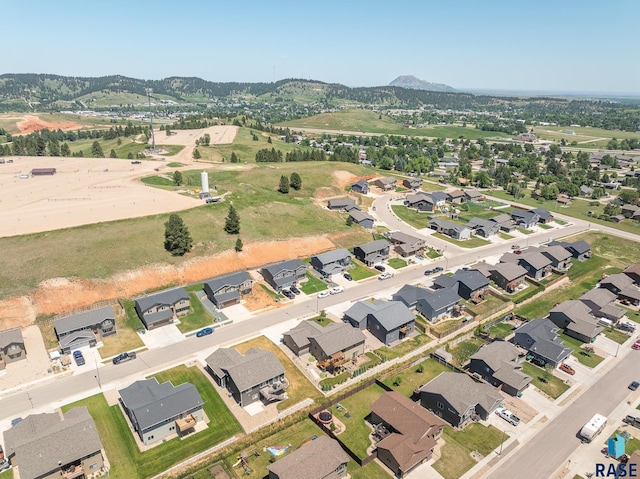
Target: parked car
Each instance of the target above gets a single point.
(336, 290)
(204, 332)
(288, 293)
(385, 276)
(636, 345)
(518, 251)
(632, 421)
(4, 464)
(427, 272)
(438, 269)
(294, 290)
(78, 358)
(323, 294)
(124, 357)
(628, 327)
(419, 256)
(515, 246)
(136, 162)
(380, 267)
(508, 416)
(634, 385)
(15, 421)
(348, 277)
(567, 369)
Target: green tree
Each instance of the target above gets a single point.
(177, 239)
(232, 221)
(612, 209)
(284, 185)
(234, 158)
(96, 150)
(54, 148)
(349, 221)
(130, 156)
(177, 178)
(65, 150)
(196, 154)
(167, 131)
(239, 245)
(296, 181)
(113, 154)
(269, 139)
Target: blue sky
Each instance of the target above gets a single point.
(582, 46)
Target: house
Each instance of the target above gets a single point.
(453, 230)
(536, 264)
(560, 257)
(633, 271)
(617, 218)
(256, 375)
(508, 276)
(284, 274)
(412, 183)
(55, 445)
(321, 458)
(410, 295)
(473, 195)
(539, 338)
(563, 200)
(331, 262)
(11, 347)
(409, 432)
(484, 228)
(79, 330)
(483, 268)
(586, 191)
(469, 283)
(576, 319)
(389, 321)
(386, 183)
(525, 219)
(504, 220)
(337, 341)
(228, 290)
(456, 197)
(500, 364)
(439, 198)
(161, 308)
(341, 204)
(616, 282)
(405, 244)
(458, 399)
(629, 211)
(420, 201)
(360, 186)
(372, 252)
(581, 250)
(439, 303)
(544, 216)
(157, 411)
(362, 219)
(600, 302)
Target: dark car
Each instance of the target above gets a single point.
(348, 277)
(427, 272)
(437, 269)
(634, 385)
(288, 294)
(124, 357)
(204, 332)
(78, 357)
(15, 421)
(379, 267)
(136, 162)
(295, 290)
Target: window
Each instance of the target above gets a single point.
(440, 405)
(93, 466)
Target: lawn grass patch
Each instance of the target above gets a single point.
(554, 387)
(270, 292)
(462, 351)
(404, 347)
(530, 291)
(505, 236)
(299, 386)
(473, 242)
(501, 330)
(433, 254)
(370, 471)
(396, 263)
(321, 320)
(156, 180)
(411, 379)
(411, 217)
(8, 474)
(330, 382)
(126, 337)
(175, 164)
(198, 316)
(590, 360)
(615, 335)
(313, 284)
(544, 226)
(359, 271)
(524, 231)
(490, 303)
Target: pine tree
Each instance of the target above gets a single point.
(296, 181)
(177, 239)
(113, 154)
(349, 221)
(234, 158)
(284, 185)
(196, 154)
(269, 140)
(96, 150)
(239, 245)
(177, 178)
(232, 221)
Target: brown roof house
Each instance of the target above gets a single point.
(386, 183)
(408, 432)
(11, 347)
(47, 446)
(322, 458)
(508, 276)
(500, 364)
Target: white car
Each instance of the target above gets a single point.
(323, 294)
(385, 276)
(336, 290)
(508, 416)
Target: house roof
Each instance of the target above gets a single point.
(445, 281)
(502, 218)
(546, 342)
(316, 459)
(509, 271)
(42, 441)
(338, 337)
(235, 279)
(333, 256)
(400, 237)
(410, 294)
(77, 336)
(634, 268)
(456, 194)
(11, 336)
(83, 320)
(579, 247)
(462, 392)
(387, 180)
(301, 333)
(535, 259)
(445, 224)
(288, 265)
(483, 223)
(484, 268)
(415, 426)
(167, 297)
(360, 216)
(441, 298)
(438, 195)
(152, 403)
(373, 246)
(556, 252)
(619, 281)
(473, 193)
(361, 183)
(599, 297)
(471, 278)
(527, 216)
(543, 213)
(611, 311)
(251, 369)
(580, 320)
(421, 196)
(500, 356)
(630, 292)
(340, 203)
(390, 314)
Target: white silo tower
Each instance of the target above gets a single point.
(204, 180)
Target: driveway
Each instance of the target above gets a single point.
(162, 336)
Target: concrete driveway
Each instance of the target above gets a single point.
(162, 336)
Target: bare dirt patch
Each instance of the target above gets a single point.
(31, 124)
(260, 300)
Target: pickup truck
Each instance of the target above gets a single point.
(124, 357)
(508, 416)
(632, 421)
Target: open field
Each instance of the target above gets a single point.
(584, 133)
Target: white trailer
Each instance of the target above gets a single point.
(594, 427)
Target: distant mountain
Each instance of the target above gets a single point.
(413, 83)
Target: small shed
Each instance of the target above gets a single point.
(443, 356)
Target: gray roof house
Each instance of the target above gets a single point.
(360, 186)
(484, 228)
(439, 303)
(560, 257)
(386, 183)
(586, 190)
(500, 364)
(420, 201)
(80, 330)
(341, 204)
(576, 319)
(157, 411)
(616, 282)
(373, 252)
(256, 375)
(544, 215)
(331, 262)
(322, 458)
(468, 282)
(53, 445)
(405, 244)
(284, 274)
(536, 264)
(581, 250)
(473, 195)
(601, 303)
(484, 268)
(362, 219)
(505, 221)
(228, 290)
(458, 399)
(525, 219)
(389, 321)
(410, 294)
(161, 308)
(11, 347)
(539, 338)
(508, 276)
(449, 228)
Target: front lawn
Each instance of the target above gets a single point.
(631, 445)
(473, 242)
(433, 254)
(126, 337)
(397, 263)
(127, 462)
(416, 376)
(505, 236)
(615, 335)
(554, 386)
(590, 360)
(411, 217)
(312, 285)
(198, 316)
(360, 271)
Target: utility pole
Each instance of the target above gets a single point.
(153, 137)
(97, 374)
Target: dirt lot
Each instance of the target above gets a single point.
(32, 123)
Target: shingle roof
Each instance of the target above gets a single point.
(630, 292)
(152, 403)
(456, 194)
(400, 237)
(611, 311)
(301, 333)
(599, 297)
(361, 183)
(542, 213)
(501, 218)
(333, 256)
(528, 216)
(546, 342)
(484, 268)
(445, 224)
(252, 369)
(619, 281)
(441, 298)
(168, 297)
(497, 352)
(83, 335)
(416, 197)
(438, 195)
(462, 392)
(509, 271)
(373, 246)
(410, 294)
(83, 320)
(234, 279)
(556, 252)
(340, 203)
(390, 314)
(288, 265)
(338, 337)
(580, 247)
(316, 459)
(536, 260)
(11, 336)
(360, 216)
(41, 441)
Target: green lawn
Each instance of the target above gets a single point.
(590, 360)
(501, 330)
(433, 254)
(505, 236)
(175, 164)
(456, 454)
(524, 231)
(312, 285)
(270, 292)
(397, 263)
(370, 471)
(8, 474)
(615, 335)
(322, 321)
(465, 349)
(473, 242)
(630, 446)
(360, 271)
(198, 316)
(127, 462)
(411, 217)
(554, 386)
(126, 338)
(156, 180)
(445, 326)
(490, 303)
(411, 378)
(332, 381)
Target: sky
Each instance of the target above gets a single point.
(541, 45)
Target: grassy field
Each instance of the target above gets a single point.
(473, 242)
(404, 347)
(360, 271)
(198, 316)
(312, 285)
(127, 462)
(299, 386)
(411, 217)
(412, 378)
(554, 387)
(265, 215)
(397, 263)
(590, 360)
